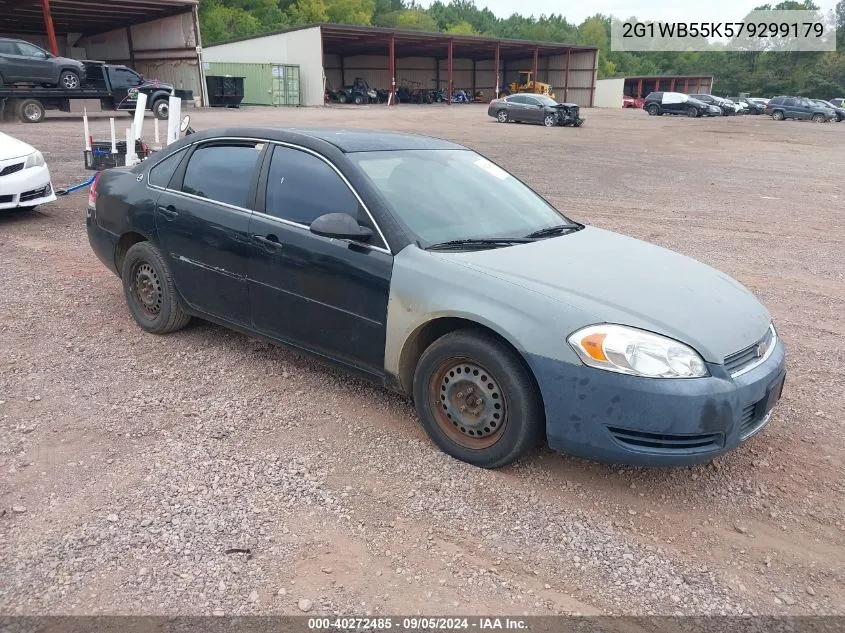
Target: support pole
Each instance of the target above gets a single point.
(496, 66)
(200, 64)
(536, 69)
(51, 31)
(672, 85)
(639, 89)
(449, 91)
(391, 100)
(566, 77)
(657, 85)
(593, 77)
(131, 46)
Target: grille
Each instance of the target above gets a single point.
(11, 169)
(35, 194)
(5, 199)
(751, 425)
(745, 357)
(666, 442)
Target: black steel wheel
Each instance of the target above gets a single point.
(150, 292)
(477, 400)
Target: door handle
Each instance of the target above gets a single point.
(270, 241)
(168, 212)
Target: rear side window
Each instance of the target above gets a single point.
(161, 173)
(8, 48)
(223, 172)
(790, 102)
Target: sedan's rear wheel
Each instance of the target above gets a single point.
(150, 292)
(477, 401)
(502, 116)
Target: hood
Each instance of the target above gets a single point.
(10, 147)
(618, 279)
(154, 84)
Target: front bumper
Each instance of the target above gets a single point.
(623, 419)
(26, 187)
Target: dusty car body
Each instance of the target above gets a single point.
(423, 266)
(534, 108)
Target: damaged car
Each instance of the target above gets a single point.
(534, 108)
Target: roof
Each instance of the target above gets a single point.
(662, 77)
(88, 17)
(346, 140)
(346, 39)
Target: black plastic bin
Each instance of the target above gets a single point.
(100, 157)
(224, 90)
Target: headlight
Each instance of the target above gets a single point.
(36, 159)
(628, 350)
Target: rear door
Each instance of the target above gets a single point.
(326, 295)
(517, 108)
(202, 220)
(792, 109)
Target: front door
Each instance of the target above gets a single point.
(203, 227)
(35, 64)
(534, 110)
(326, 295)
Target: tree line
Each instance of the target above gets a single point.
(769, 73)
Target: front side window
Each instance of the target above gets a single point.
(443, 195)
(223, 172)
(125, 77)
(30, 50)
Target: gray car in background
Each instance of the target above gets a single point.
(24, 62)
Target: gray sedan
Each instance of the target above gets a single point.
(427, 268)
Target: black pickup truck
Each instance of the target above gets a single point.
(117, 88)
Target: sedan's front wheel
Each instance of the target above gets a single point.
(477, 401)
(550, 120)
(150, 292)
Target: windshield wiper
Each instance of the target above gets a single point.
(554, 230)
(491, 242)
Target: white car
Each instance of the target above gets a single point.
(24, 176)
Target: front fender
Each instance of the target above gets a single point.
(426, 286)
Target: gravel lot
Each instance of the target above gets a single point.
(204, 472)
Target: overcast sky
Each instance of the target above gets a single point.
(664, 10)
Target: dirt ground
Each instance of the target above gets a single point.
(204, 472)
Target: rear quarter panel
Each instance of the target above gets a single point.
(125, 204)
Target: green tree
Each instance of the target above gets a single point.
(308, 12)
(462, 28)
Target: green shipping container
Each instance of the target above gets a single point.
(264, 84)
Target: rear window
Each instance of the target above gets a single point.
(161, 173)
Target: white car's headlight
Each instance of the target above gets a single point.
(628, 350)
(36, 159)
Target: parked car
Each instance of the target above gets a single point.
(24, 176)
(534, 108)
(726, 106)
(837, 110)
(427, 268)
(798, 108)
(23, 62)
(659, 103)
(632, 102)
(748, 105)
(839, 102)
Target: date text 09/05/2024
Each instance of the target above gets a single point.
(420, 623)
(722, 29)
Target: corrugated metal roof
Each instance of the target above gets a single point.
(344, 39)
(85, 16)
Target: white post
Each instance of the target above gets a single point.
(174, 116)
(140, 108)
(113, 137)
(131, 157)
(157, 136)
(87, 131)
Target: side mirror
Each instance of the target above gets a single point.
(341, 226)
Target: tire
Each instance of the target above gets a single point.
(31, 111)
(358, 100)
(550, 120)
(653, 109)
(509, 419)
(692, 113)
(777, 115)
(69, 80)
(818, 118)
(161, 109)
(341, 99)
(155, 307)
(502, 116)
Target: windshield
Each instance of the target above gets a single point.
(443, 195)
(546, 100)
